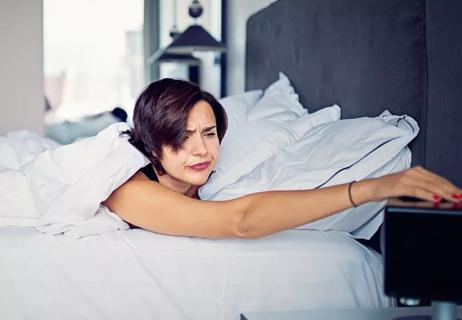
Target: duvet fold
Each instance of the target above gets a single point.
(59, 189)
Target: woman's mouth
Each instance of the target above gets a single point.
(200, 166)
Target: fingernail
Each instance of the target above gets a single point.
(457, 195)
(457, 205)
(436, 205)
(436, 197)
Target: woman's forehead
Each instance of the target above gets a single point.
(201, 115)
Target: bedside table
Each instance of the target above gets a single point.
(342, 314)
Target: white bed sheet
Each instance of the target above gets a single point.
(137, 274)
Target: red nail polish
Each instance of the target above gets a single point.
(437, 198)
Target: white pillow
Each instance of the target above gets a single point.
(237, 106)
(334, 153)
(279, 102)
(249, 145)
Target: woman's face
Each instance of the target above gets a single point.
(193, 163)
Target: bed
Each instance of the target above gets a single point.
(141, 275)
(365, 56)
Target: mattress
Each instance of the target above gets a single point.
(143, 275)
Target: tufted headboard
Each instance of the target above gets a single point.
(367, 56)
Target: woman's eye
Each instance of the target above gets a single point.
(211, 134)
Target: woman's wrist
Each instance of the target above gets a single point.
(362, 191)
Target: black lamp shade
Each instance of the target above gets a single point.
(162, 56)
(194, 38)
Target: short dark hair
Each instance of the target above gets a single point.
(161, 114)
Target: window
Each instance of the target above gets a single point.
(93, 56)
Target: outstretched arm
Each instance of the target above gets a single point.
(270, 212)
(153, 207)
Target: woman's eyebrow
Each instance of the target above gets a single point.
(203, 130)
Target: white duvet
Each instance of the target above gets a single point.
(58, 189)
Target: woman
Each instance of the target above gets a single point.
(179, 128)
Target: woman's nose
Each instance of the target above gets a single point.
(199, 147)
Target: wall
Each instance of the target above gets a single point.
(237, 13)
(21, 61)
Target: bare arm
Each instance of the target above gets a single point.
(270, 212)
(153, 207)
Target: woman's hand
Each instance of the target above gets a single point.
(415, 182)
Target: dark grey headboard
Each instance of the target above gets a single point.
(367, 56)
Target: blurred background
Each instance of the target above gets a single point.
(77, 64)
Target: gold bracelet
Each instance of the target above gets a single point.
(349, 193)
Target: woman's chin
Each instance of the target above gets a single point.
(198, 182)
(198, 179)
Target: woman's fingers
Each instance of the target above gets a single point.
(451, 192)
(433, 176)
(426, 195)
(415, 185)
(432, 187)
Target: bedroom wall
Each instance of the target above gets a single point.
(21, 56)
(237, 13)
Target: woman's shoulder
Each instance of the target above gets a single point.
(144, 174)
(136, 193)
(129, 190)
(138, 176)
